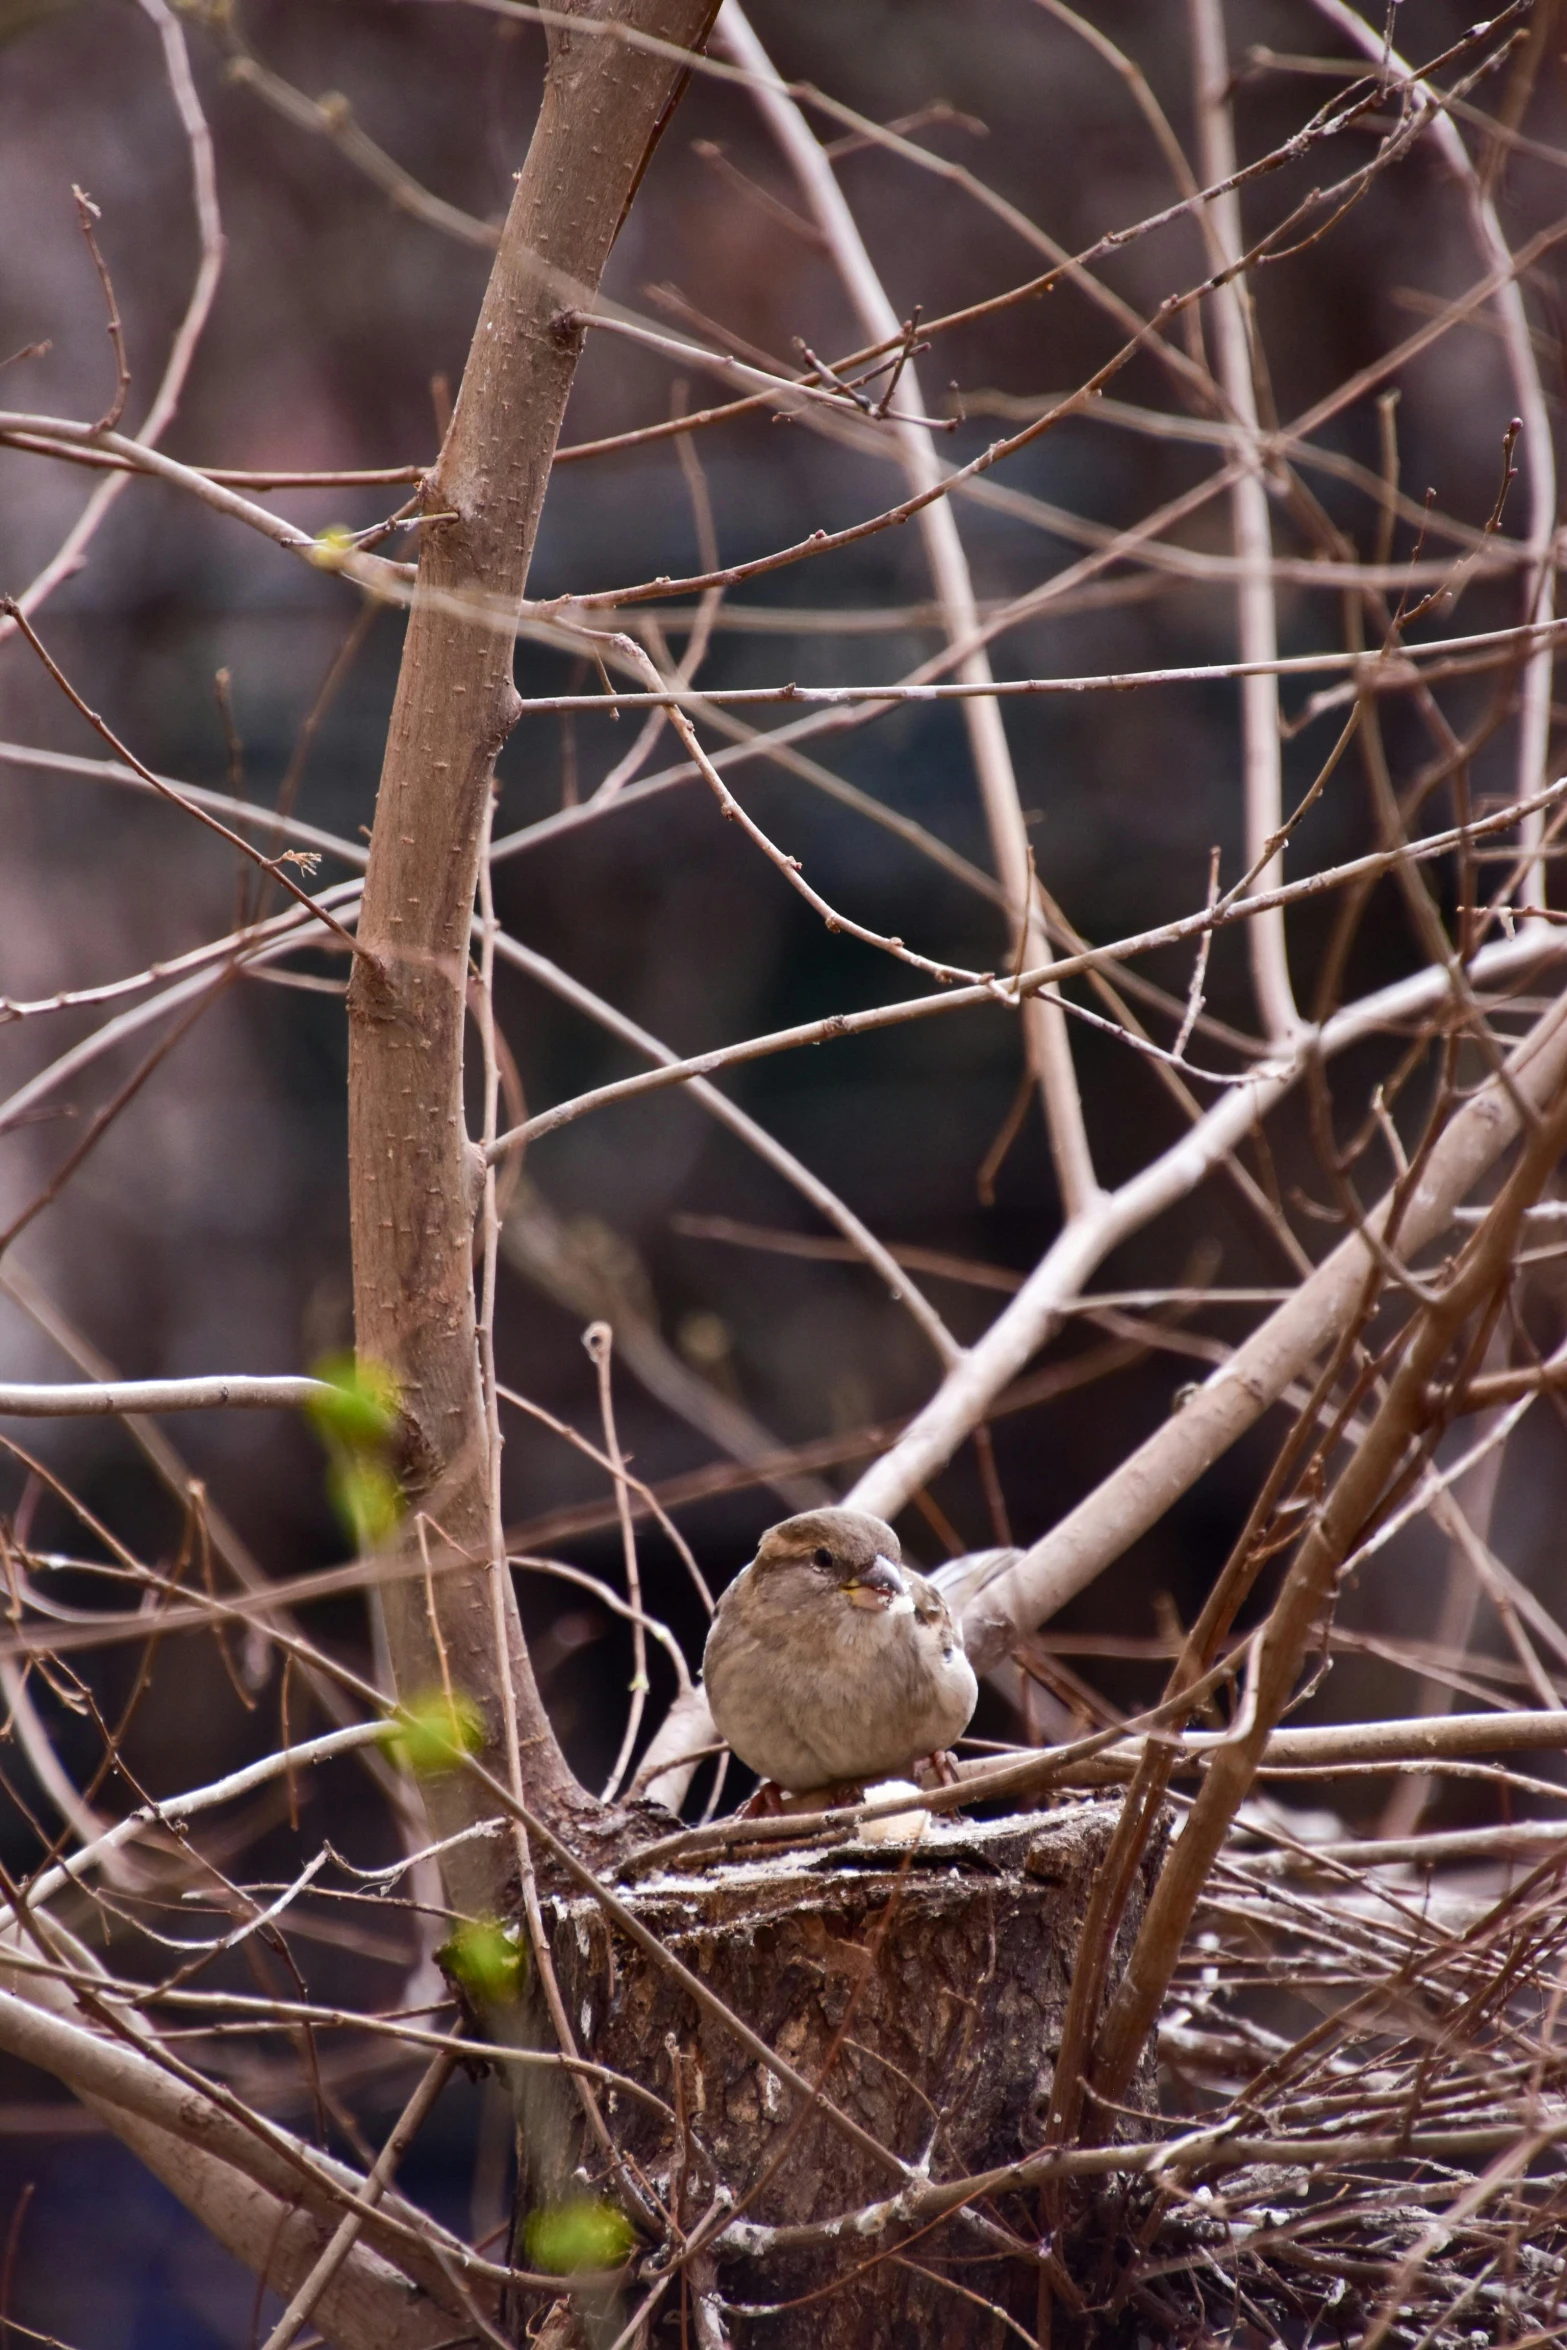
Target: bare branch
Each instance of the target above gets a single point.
(112, 1397)
(204, 190)
(87, 212)
(1261, 759)
(1099, 1529)
(1006, 995)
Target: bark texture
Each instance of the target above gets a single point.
(925, 1995)
(414, 1175)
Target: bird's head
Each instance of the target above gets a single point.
(847, 1550)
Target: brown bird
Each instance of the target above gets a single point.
(829, 1662)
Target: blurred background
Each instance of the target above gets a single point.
(208, 1230)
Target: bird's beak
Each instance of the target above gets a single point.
(881, 1583)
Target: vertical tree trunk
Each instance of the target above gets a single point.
(414, 1175)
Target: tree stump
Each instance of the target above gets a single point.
(928, 1985)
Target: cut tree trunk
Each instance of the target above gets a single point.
(922, 1990)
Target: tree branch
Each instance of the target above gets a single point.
(1145, 1485)
(1049, 1049)
(1231, 311)
(60, 1400)
(414, 1175)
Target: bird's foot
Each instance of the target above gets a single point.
(772, 1802)
(938, 1770)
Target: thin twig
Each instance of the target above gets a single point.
(86, 213)
(599, 1339)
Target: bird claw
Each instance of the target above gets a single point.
(938, 1770)
(771, 1802)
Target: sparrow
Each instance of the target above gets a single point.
(831, 1663)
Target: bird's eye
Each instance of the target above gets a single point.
(821, 1557)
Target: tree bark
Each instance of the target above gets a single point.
(414, 1175)
(922, 1993)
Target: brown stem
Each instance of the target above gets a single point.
(414, 1175)
(1307, 1594)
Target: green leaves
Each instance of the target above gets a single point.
(331, 547)
(362, 1407)
(367, 1498)
(432, 1734)
(582, 2234)
(357, 1424)
(489, 1960)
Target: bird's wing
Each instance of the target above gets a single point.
(960, 1579)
